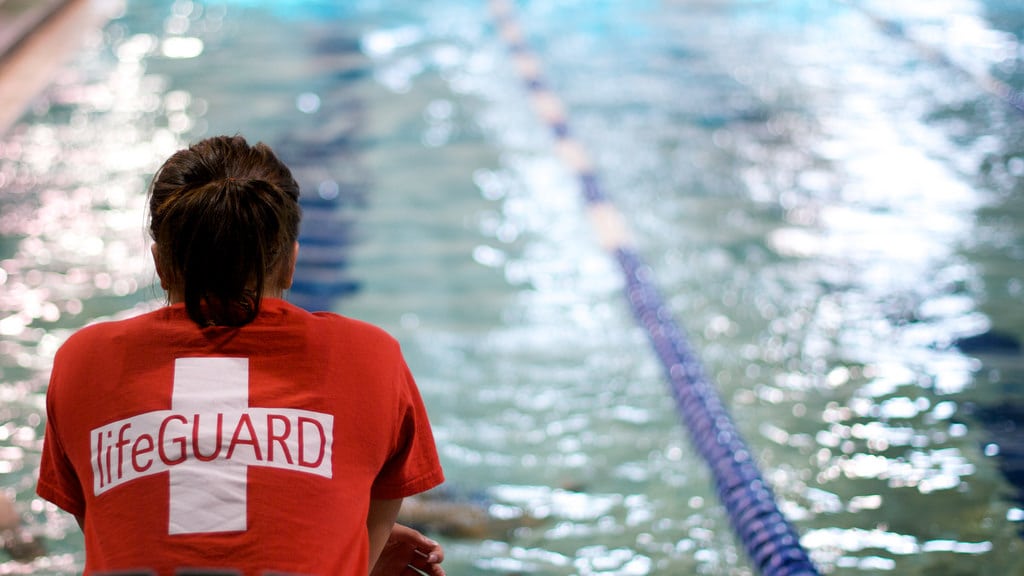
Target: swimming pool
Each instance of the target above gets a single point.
(827, 206)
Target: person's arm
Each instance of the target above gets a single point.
(379, 522)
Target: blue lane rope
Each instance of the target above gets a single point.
(769, 539)
(988, 82)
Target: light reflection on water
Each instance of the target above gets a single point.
(826, 210)
(73, 245)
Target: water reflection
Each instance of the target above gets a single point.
(73, 244)
(866, 280)
(832, 213)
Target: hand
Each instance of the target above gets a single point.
(407, 547)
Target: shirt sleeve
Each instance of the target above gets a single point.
(58, 481)
(413, 465)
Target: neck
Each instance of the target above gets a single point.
(176, 297)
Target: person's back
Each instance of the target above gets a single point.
(211, 435)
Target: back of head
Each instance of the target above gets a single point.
(224, 216)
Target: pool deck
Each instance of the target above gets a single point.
(36, 37)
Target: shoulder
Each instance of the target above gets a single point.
(356, 330)
(98, 332)
(102, 334)
(342, 329)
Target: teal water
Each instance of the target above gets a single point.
(827, 208)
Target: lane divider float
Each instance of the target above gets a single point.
(769, 539)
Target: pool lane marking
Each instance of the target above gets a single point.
(770, 541)
(611, 228)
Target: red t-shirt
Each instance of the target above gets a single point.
(256, 448)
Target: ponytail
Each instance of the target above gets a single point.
(224, 216)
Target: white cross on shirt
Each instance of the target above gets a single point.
(207, 441)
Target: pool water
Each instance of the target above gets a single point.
(832, 208)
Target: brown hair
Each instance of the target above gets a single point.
(224, 216)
